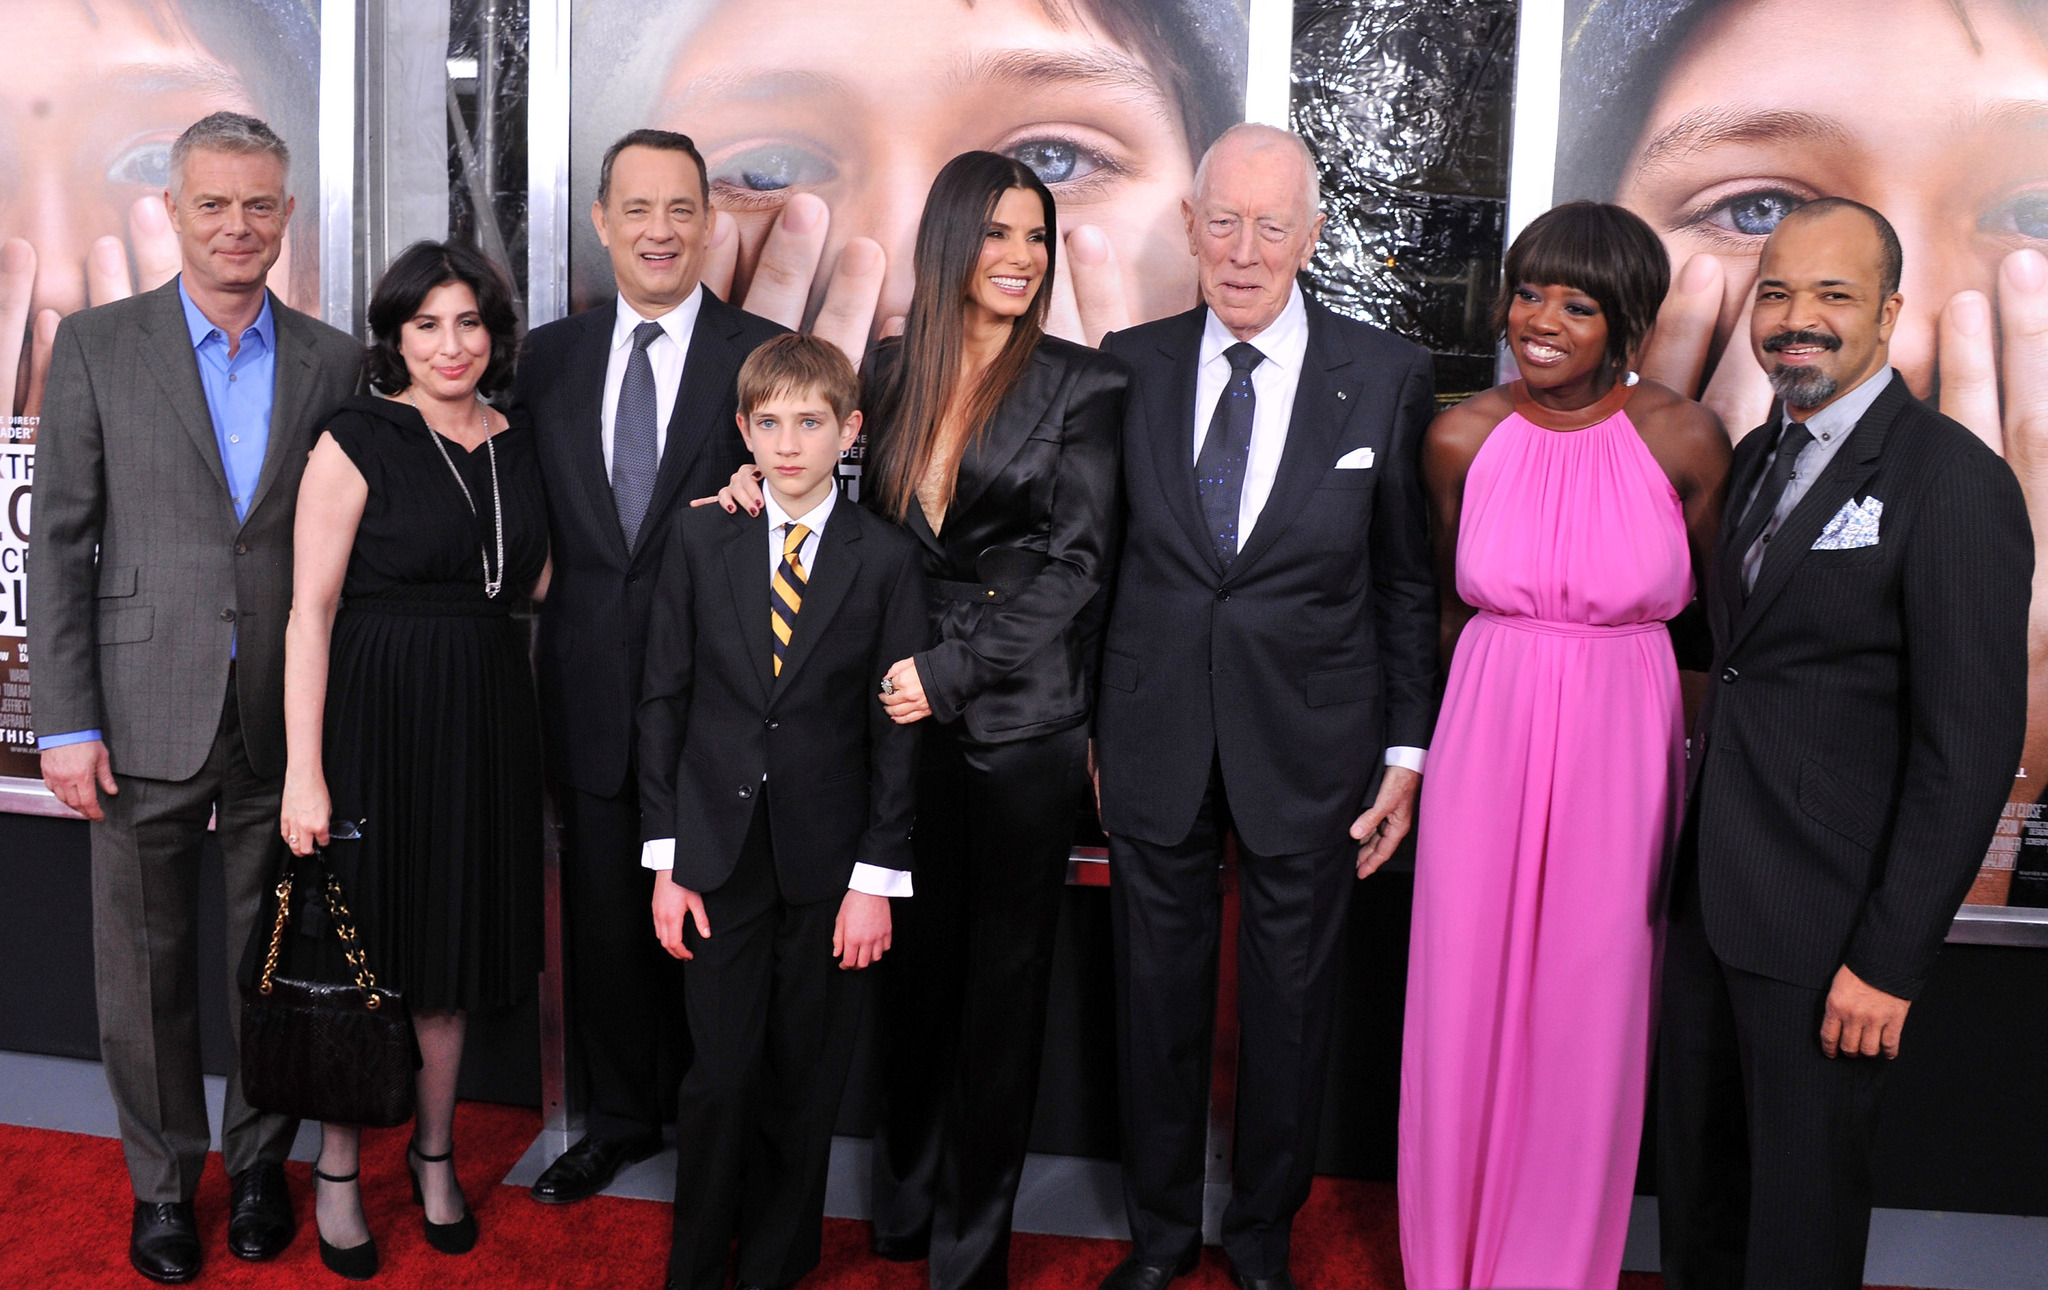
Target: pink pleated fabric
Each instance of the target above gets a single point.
(1548, 809)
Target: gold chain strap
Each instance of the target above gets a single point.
(344, 927)
(284, 904)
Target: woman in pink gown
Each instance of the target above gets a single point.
(1574, 511)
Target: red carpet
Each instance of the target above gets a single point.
(64, 1204)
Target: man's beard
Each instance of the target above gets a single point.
(1803, 387)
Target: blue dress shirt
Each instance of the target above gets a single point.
(239, 392)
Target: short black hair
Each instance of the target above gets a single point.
(661, 140)
(1891, 256)
(412, 276)
(1599, 248)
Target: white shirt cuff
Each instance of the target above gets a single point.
(658, 853)
(874, 880)
(1407, 758)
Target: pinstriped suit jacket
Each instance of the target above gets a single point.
(139, 574)
(1867, 706)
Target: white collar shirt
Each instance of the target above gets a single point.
(1285, 345)
(814, 519)
(666, 355)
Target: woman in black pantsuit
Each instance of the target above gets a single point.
(996, 445)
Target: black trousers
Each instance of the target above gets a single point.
(625, 993)
(1763, 1142)
(1166, 913)
(961, 998)
(774, 1018)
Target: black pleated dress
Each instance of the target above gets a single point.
(432, 737)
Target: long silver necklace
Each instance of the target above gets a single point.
(492, 582)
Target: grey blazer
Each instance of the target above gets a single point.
(140, 575)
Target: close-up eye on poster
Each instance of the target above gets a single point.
(823, 123)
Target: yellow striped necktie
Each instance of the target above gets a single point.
(787, 589)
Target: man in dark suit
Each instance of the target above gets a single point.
(632, 407)
(173, 436)
(1269, 669)
(1869, 610)
(778, 796)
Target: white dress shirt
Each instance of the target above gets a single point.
(1285, 345)
(871, 879)
(666, 355)
(1830, 428)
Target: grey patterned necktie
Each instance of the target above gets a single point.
(635, 455)
(1219, 469)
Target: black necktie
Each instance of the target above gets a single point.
(636, 458)
(1790, 444)
(1219, 469)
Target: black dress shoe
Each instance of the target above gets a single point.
(902, 1249)
(1135, 1274)
(163, 1244)
(1282, 1280)
(260, 1223)
(589, 1167)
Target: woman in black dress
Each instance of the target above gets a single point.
(409, 709)
(996, 446)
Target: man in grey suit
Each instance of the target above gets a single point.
(174, 431)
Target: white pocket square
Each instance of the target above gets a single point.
(1356, 459)
(1855, 525)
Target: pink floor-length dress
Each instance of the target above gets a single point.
(1548, 808)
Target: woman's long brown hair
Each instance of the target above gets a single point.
(916, 397)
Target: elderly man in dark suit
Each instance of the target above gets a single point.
(174, 432)
(1269, 669)
(1869, 610)
(632, 407)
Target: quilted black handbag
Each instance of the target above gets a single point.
(338, 1052)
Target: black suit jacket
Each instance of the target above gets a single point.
(1867, 706)
(716, 717)
(1028, 542)
(1299, 664)
(593, 625)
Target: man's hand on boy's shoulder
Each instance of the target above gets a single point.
(861, 935)
(672, 903)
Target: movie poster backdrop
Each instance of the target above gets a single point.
(96, 92)
(1713, 119)
(823, 123)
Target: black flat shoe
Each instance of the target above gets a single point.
(260, 1224)
(902, 1249)
(357, 1262)
(1282, 1280)
(458, 1237)
(163, 1242)
(1135, 1274)
(588, 1168)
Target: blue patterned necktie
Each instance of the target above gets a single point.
(1219, 470)
(635, 455)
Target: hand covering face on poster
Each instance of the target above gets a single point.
(1713, 119)
(94, 95)
(823, 123)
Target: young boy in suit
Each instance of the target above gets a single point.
(777, 799)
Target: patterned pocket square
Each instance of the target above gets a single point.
(1356, 459)
(1855, 525)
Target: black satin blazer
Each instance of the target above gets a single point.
(1029, 541)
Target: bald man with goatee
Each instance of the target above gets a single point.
(1858, 739)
